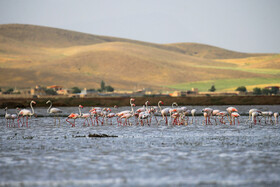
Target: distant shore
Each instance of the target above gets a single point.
(124, 101)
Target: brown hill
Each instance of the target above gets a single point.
(31, 55)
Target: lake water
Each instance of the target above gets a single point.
(48, 155)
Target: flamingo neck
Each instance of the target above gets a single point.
(80, 111)
(32, 108)
(159, 106)
(49, 108)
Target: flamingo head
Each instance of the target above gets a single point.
(108, 109)
(160, 102)
(133, 105)
(147, 103)
(33, 102)
(80, 106)
(48, 101)
(132, 99)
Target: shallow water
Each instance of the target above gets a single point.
(48, 155)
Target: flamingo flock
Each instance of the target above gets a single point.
(173, 115)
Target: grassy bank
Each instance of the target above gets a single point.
(124, 101)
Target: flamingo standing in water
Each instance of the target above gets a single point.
(54, 111)
(164, 112)
(85, 116)
(193, 111)
(120, 114)
(235, 115)
(215, 113)
(15, 116)
(8, 117)
(231, 110)
(276, 115)
(207, 113)
(26, 113)
(74, 116)
(128, 115)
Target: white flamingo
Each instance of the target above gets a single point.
(276, 115)
(193, 111)
(231, 110)
(164, 112)
(8, 117)
(85, 116)
(54, 111)
(26, 113)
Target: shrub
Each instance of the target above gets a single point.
(212, 89)
(241, 89)
(257, 91)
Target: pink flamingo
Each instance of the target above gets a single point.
(128, 115)
(207, 113)
(27, 113)
(74, 116)
(235, 115)
(85, 116)
(231, 110)
(221, 115)
(120, 114)
(215, 114)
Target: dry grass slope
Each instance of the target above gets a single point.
(31, 55)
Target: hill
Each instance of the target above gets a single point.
(31, 55)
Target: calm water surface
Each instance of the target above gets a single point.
(47, 155)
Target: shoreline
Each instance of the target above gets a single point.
(139, 101)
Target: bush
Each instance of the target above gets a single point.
(109, 88)
(274, 90)
(50, 92)
(76, 90)
(9, 91)
(241, 89)
(257, 91)
(212, 89)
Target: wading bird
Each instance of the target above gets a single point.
(26, 113)
(54, 111)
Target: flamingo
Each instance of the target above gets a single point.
(8, 117)
(276, 115)
(235, 115)
(268, 114)
(164, 112)
(14, 116)
(251, 111)
(128, 115)
(215, 114)
(27, 113)
(193, 111)
(120, 114)
(254, 117)
(207, 112)
(85, 116)
(221, 115)
(54, 111)
(231, 110)
(111, 114)
(74, 116)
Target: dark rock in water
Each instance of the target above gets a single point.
(28, 137)
(101, 136)
(79, 136)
